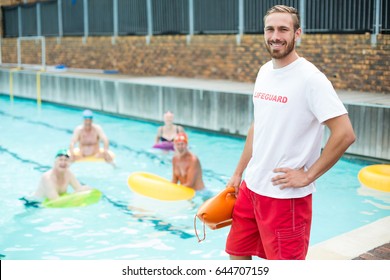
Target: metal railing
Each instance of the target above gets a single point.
(158, 17)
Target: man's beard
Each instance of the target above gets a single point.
(281, 53)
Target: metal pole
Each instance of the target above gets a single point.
(190, 20)
(115, 17)
(38, 83)
(240, 17)
(30, 38)
(39, 26)
(240, 21)
(20, 21)
(302, 14)
(377, 16)
(376, 23)
(191, 16)
(150, 20)
(11, 85)
(43, 46)
(19, 52)
(86, 26)
(60, 27)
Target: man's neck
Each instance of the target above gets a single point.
(183, 154)
(58, 173)
(88, 128)
(283, 62)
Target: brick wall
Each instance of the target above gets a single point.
(17, 2)
(10, 2)
(349, 61)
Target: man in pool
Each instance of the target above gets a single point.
(56, 181)
(88, 136)
(186, 167)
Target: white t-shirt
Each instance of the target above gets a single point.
(290, 105)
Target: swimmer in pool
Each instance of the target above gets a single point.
(88, 136)
(55, 182)
(169, 130)
(186, 167)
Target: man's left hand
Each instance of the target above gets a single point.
(290, 178)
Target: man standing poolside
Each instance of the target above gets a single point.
(88, 136)
(186, 167)
(282, 155)
(55, 182)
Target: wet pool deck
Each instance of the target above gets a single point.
(370, 242)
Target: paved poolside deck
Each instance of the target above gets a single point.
(349, 97)
(371, 241)
(379, 253)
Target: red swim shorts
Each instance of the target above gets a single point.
(270, 228)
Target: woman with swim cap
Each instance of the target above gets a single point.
(186, 167)
(167, 132)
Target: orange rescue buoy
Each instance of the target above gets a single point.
(216, 212)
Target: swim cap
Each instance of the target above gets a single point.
(181, 137)
(168, 116)
(87, 114)
(62, 152)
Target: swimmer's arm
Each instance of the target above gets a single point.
(49, 189)
(246, 155)
(192, 173)
(52, 194)
(158, 135)
(180, 128)
(74, 140)
(175, 178)
(39, 192)
(103, 137)
(76, 184)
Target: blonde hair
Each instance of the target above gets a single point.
(288, 10)
(168, 114)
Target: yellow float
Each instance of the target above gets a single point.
(93, 158)
(156, 187)
(76, 199)
(376, 177)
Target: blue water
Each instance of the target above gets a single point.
(124, 225)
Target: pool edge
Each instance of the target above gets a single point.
(350, 245)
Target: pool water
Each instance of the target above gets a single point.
(124, 225)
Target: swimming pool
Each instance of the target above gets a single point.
(123, 225)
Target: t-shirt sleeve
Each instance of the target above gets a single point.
(322, 98)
